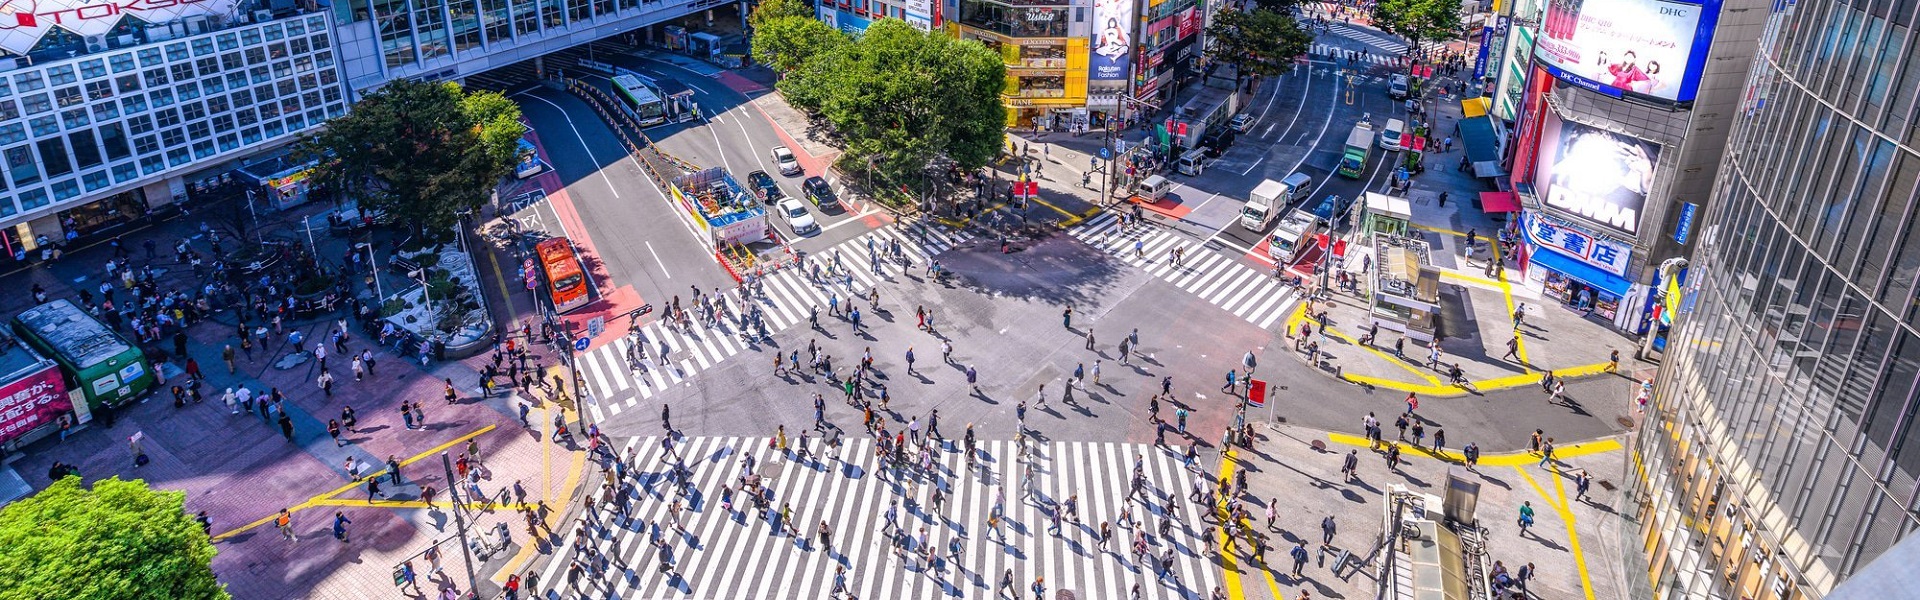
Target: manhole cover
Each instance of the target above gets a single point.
(1625, 423)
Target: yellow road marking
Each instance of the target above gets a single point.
(1566, 516)
(1506, 459)
(318, 499)
(1231, 574)
(1299, 314)
(575, 462)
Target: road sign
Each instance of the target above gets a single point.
(595, 326)
(580, 345)
(1256, 392)
(1105, 153)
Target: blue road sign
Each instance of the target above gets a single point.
(580, 345)
(1105, 153)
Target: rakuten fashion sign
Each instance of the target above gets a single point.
(1594, 174)
(32, 401)
(24, 22)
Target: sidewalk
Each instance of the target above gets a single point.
(1569, 536)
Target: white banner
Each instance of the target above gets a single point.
(24, 22)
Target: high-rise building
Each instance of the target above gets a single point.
(109, 110)
(1779, 453)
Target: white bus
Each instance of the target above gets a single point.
(646, 107)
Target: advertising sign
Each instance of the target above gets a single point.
(32, 401)
(1684, 229)
(1189, 22)
(1571, 241)
(1480, 60)
(1598, 175)
(1650, 49)
(24, 22)
(1109, 62)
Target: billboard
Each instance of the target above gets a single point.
(1109, 60)
(1651, 49)
(1598, 175)
(29, 402)
(24, 22)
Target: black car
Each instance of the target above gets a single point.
(1332, 211)
(764, 187)
(819, 192)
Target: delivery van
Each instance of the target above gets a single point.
(1271, 198)
(1390, 136)
(1193, 162)
(1153, 189)
(1294, 232)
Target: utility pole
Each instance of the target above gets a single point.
(460, 521)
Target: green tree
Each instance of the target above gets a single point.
(772, 10)
(900, 97)
(1417, 20)
(118, 540)
(787, 43)
(1258, 42)
(421, 152)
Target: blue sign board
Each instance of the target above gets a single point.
(1685, 228)
(580, 345)
(1480, 61)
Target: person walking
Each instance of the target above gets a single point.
(340, 523)
(1613, 361)
(1471, 453)
(1513, 349)
(1581, 484)
(226, 354)
(1526, 516)
(1327, 528)
(285, 522)
(326, 383)
(1546, 453)
(1350, 469)
(333, 431)
(1299, 554)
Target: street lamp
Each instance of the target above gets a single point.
(373, 270)
(426, 290)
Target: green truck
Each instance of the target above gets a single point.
(1359, 149)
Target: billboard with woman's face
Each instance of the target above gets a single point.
(1112, 49)
(1652, 49)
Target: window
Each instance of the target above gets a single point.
(28, 82)
(36, 103)
(105, 110)
(222, 123)
(61, 75)
(328, 77)
(6, 89)
(160, 97)
(181, 71)
(323, 59)
(228, 41)
(140, 124)
(133, 104)
(20, 165)
(115, 141)
(236, 80)
(167, 118)
(217, 105)
(68, 97)
(288, 88)
(260, 74)
(86, 152)
(95, 180)
(242, 98)
(178, 157)
(213, 85)
(192, 111)
(53, 156)
(309, 81)
(152, 164)
(256, 56)
(263, 93)
(320, 41)
(146, 144)
(229, 142)
(299, 46)
(274, 129)
(188, 91)
(295, 27)
(231, 61)
(198, 130)
(65, 190)
(296, 123)
(201, 47)
(273, 32)
(151, 56)
(124, 62)
(9, 110)
(127, 83)
(311, 98)
(250, 135)
(207, 66)
(203, 149)
(290, 105)
(269, 110)
(245, 117)
(93, 69)
(46, 125)
(250, 37)
(75, 118)
(277, 51)
(332, 93)
(12, 132)
(125, 172)
(32, 199)
(155, 77)
(173, 137)
(282, 69)
(99, 90)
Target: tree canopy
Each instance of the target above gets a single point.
(1258, 41)
(788, 43)
(773, 10)
(423, 152)
(901, 97)
(119, 540)
(1417, 20)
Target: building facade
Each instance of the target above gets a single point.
(1778, 457)
(1071, 64)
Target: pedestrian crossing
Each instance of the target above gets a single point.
(1219, 279)
(735, 550)
(617, 378)
(1393, 46)
(1338, 52)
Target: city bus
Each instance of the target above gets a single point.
(93, 359)
(527, 161)
(566, 283)
(646, 107)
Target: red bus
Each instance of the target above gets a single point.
(566, 283)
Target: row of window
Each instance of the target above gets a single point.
(417, 30)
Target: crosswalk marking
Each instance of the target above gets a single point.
(722, 555)
(1218, 279)
(1391, 45)
(788, 298)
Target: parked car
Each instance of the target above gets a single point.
(819, 193)
(785, 161)
(764, 187)
(797, 216)
(1332, 210)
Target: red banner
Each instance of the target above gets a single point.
(32, 401)
(1256, 392)
(1189, 22)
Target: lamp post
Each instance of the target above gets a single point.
(373, 270)
(459, 520)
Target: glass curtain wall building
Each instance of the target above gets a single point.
(1779, 455)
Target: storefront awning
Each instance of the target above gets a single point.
(1579, 270)
(1477, 135)
(1499, 202)
(1474, 107)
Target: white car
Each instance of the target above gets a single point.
(797, 216)
(784, 160)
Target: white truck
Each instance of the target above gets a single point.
(1295, 231)
(1262, 205)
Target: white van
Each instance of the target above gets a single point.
(1295, 231)
(1193, 162)
(1152, 189)
(1390, 135)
